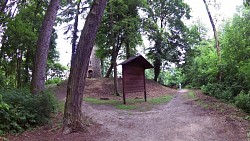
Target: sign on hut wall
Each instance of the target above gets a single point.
(133, 79)
(133, 73)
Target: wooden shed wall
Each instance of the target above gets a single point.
(133, 79)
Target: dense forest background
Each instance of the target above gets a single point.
(180, 54)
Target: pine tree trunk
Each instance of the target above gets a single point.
(73, 107)
(217, 42)
(157, 68)
(19, 56)
(75, 29)
(113, 57)
(157, 60)
(114, 50)
(2, 50)
(102, 68)
(30, 52)
(27, 66)
(115, 77)
(128, 54)
(43, 43)
(3, 6)
(109, 70)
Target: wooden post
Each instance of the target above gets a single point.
(123, 90)
(145, 93)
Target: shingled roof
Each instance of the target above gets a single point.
(138, 61)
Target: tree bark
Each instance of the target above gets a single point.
(43, 43)
(157, 68)
(19, 56)
(72, 113)
(2, 56)
(27, 65)
(128, 54)
(4, 4)
(102, 68)
(217, 42)
(30, 52)
(75, 29)
(157, 60)
(109, 69)
(114, 54)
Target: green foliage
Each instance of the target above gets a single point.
(161, 99)
(166, 31)
(126, 107)
(55, 71)
(18, 42)
(20, 110)
(119, 32)
(191, 95)
(2, 82)
(218, 90)
(202, 68)
(172, 76)
(53, 81)
(243, 101)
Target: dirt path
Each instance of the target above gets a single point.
(175, 121)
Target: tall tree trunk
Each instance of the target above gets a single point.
(43, 43)
(75, 29)
(116, 48)
(217, 42)
(157, 68)
(2, 50)
(157, 59)
(102, 68)
(19, 56)
(128, 54)
(112, 65)
(109, 69)
(114, 54)
(27, 65)
(3, 4)
(30, 51)
(72, 113)
(115, 76)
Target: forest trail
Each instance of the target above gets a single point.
(176, 121)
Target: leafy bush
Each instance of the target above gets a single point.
(217, 90)
(20, 110)
(56, 80)
(243, 101)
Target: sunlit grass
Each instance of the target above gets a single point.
(161, 99)
(131, 104)
(191, 95)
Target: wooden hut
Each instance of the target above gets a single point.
(133, 75)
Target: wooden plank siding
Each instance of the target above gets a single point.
(133, 79)
(133, 75)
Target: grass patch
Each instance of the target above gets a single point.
(131, 104)
(101, 102)
(191, 95)
(160, 100)
(126, 107)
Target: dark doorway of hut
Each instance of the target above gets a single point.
(133, 75)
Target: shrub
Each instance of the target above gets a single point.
(56, 80)
(212, 89)
(243, 101)
(219, 91)
(20, 110)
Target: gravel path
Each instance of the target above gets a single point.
(175, 121)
